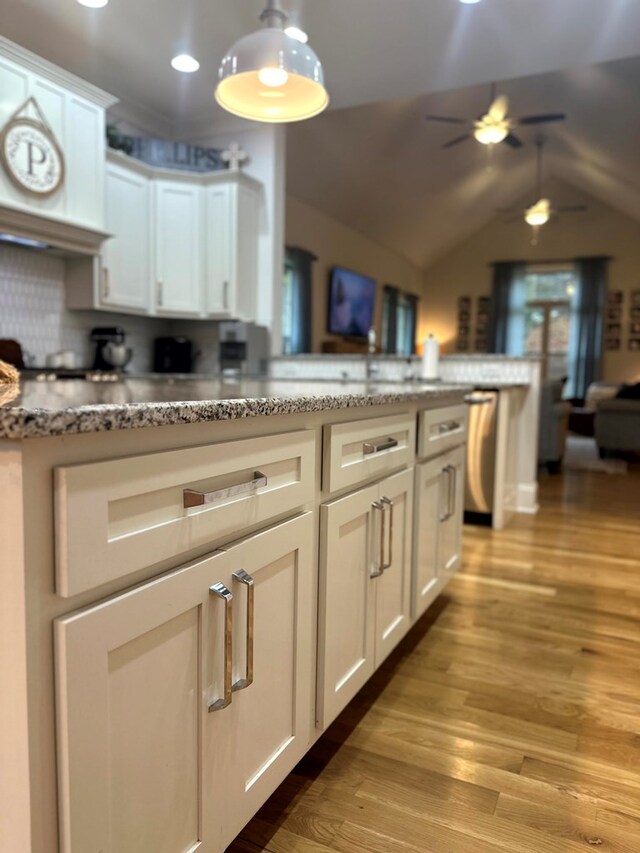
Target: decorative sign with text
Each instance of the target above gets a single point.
(30, 152)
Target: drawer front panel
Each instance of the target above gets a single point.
(440, 429)
(117, 517)
(361, 450)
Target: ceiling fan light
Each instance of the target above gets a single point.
(491, 134)
(539, 213)
(268, 76)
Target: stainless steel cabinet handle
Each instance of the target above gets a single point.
(106, 288)
(225, 294)
(388, 502)
(160, 293)
(445, 496)
(449, 426)
(452, 491)
(220, 590)
(368, 448)
(191, 498)
(242, 577)
(379, 507)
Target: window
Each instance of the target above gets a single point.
(296, 301)
(399, 316)
(543, 319)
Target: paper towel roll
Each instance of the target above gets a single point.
(430, 358)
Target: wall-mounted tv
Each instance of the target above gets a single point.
(351, 302)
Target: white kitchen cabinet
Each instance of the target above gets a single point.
(231, 238)
(126, 259)
(165, 742)
(364, 586)
(439, 493)
(178, 250)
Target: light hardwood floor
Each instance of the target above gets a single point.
(509, 719)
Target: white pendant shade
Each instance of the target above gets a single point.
(269, 76)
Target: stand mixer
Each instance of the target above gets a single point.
(111, 351)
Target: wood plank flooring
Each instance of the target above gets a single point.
(509, 719)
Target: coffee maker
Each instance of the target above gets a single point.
(106, 338)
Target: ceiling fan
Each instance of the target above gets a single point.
(495, 125)
(540, 211)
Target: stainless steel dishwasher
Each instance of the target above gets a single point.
(481, 456)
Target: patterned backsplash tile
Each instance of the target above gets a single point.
(33, 312)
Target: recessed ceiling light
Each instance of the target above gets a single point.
(93, 4)
(469, 2)
(297, 34)
(184, 62)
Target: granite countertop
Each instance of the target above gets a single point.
(75, 406)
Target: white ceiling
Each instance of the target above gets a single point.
(377, 166)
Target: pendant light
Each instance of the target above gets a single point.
(270, 76)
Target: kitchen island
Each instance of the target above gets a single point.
(198, 577)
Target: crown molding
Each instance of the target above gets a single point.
(65, 235)
(37, 65)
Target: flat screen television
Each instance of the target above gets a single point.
(351, 302)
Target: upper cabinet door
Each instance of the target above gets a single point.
(232, 232)
(126, 274)
(220, 250)
(178, 268)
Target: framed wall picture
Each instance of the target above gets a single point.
(615, 297)
(634, 344)
(614, 313)
(634, 314)
(634, 329)
(635, 298)
(611, 344)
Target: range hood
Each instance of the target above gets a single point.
(61, 237)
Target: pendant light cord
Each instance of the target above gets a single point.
(539, 143)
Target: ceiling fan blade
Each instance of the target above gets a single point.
(447, 119)
(542, 119)
(499, 108)
(572, 208)
(456, 141)
(512, 141)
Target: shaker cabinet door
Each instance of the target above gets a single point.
(451, 526)
(130, 680)
(393, 588)
(126, 273)
(426, 541)
(178, 255)
(220, 242)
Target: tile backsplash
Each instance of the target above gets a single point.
(33, 312)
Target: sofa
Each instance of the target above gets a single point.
(617, 423)
(553, 425)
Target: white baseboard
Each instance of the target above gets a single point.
(527, 498)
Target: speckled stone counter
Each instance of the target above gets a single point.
(67, 407)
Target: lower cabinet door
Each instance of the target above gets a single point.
(349, 559)
(429, 515)
(364, 587)
(393, 588)
(254, 743)
(144, 764)
(451, 524)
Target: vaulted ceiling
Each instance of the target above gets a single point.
(381, 169)
(371, 161)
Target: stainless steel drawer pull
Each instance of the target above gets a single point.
(220, 590)
(449, 426)
(388, 502)
(477, 401)
(379, 507)
(368, 448)
(242, 577)
(191, 498)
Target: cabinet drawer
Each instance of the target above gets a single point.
(117, 517)
(440, 429)
(361, 450)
